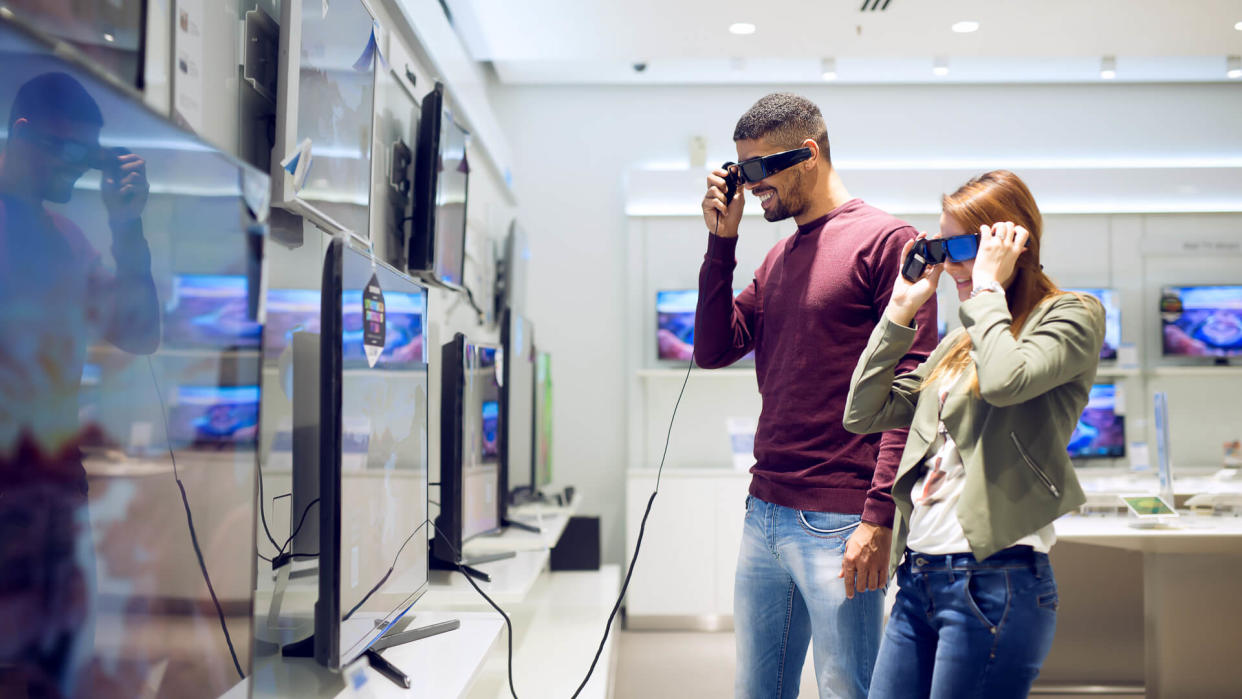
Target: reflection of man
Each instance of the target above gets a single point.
(56, 299)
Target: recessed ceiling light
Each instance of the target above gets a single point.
(1233, 67)
(1108, 67)
(1238, 26)
(108, 37)
(966, 27)
(828, 68)
(940, 66)
(741, 28)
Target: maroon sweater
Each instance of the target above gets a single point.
(807, 315)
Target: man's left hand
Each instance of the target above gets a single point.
(866, 559)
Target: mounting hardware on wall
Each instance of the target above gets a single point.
(260, 47)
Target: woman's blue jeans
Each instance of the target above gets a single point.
(963, 628)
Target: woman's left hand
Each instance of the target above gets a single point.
(1000, 245)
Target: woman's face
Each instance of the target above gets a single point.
(960, 271)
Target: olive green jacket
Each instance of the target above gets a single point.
(1012, 437)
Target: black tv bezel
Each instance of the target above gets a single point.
(508, 318)
(327, 638)
(1122, 417)
(421, 259)
(746, 361)
(449, 521)
(1206, 359)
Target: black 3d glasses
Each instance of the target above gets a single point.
(755, 169)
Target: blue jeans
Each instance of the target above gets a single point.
(787, 592)
(961, 628)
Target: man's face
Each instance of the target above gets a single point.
(53, 154)
(782, 195)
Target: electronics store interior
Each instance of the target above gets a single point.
(372, 370)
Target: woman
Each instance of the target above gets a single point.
(985, 470)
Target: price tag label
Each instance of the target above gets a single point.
(373, 321)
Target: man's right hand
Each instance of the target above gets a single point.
(721, 220)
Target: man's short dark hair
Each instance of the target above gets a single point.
(54, 95)
(786, 120)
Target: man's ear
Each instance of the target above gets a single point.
(814, 159)
(21, 124)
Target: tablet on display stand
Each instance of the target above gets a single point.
(1150, 511)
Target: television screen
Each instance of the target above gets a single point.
(378, 567)
(517, 391)
(675, 324)
(331, 103)
(206, 310)
(111, 34)
(437, 247)
(1201, 321)
(292, 310)
(481, 472)
(1101, 432)
(102, 563)
(543, 421)
(1112, 319)
(206, 416)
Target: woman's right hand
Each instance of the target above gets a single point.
(909, 297)
(721, 219)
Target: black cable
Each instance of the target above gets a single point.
(508, 622)
(301, 521)
(641, 527)
(262, 513)
(189, 518)
(391, 568)
(433, 502)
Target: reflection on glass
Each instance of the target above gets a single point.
(480, 447)
(451, 185)
(335, 98)
(110, 33)
(110, 436)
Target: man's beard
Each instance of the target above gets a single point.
(789, 204)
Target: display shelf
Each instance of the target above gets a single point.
(445, 665)
(1118, 372)
(1233, 370)
(512, 579)
(551, 521)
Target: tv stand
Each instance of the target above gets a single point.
(305, 648)
(435, 562)
(521, 525)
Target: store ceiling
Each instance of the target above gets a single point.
(689, 41)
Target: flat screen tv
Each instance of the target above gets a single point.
(111, 34)
(373, 530)
(1101, 432)
(1201, 321)
(1112, 319)
(111, 519)
(517, 392)
(471, 420)
(541, 473)
(437, 249)
(511, 271)
(326, 93)
(675, 310)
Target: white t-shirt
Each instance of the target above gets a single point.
(934, 527)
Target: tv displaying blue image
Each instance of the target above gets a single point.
(1201, 321)
(293, 310)
(675, 324)
(1101, 432)
(1112, 319)
(210, 311)
(491, 423)
(214, 415)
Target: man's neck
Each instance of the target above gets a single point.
(826, 198)
(13, 186)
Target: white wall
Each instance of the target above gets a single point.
(571, 146)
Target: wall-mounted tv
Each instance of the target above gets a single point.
(1112, 319)
(675, 310)
(1101, 432)
(437, 249)
(325, 94)
(1201, 321)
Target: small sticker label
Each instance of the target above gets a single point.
(373, 321)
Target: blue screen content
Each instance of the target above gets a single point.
(1112, 319)
(675, 324)
(1201, 321)
(1101, 432)
(210, 310)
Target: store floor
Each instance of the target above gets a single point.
(690, 665)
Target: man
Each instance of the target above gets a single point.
(56, 299)
(814, 556)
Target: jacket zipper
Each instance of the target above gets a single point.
(1052, 488)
